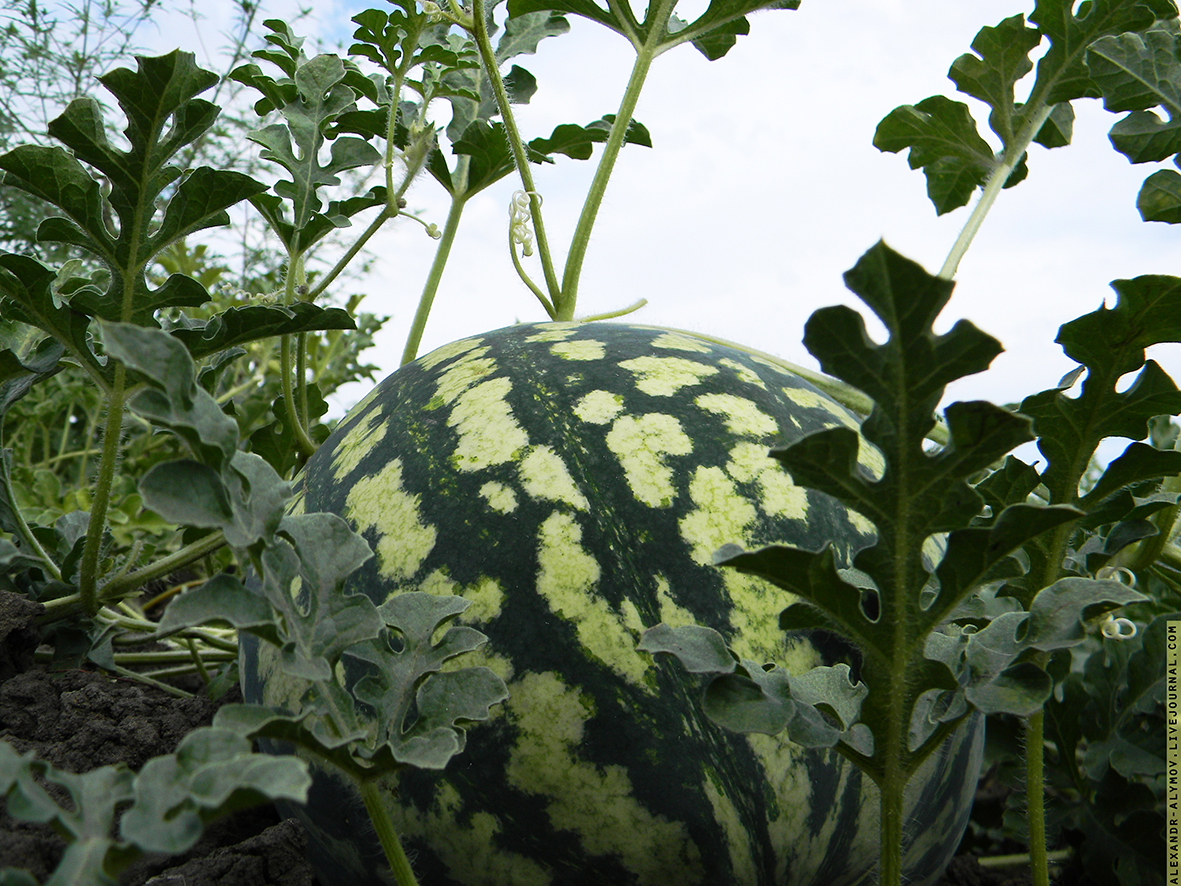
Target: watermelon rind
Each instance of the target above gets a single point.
(572, 480)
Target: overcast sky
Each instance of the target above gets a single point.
(763, 187)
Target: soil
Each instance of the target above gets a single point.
(79, 719)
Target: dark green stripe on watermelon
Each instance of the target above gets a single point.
(573, 480)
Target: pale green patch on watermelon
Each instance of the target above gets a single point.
(380, 502)
(664, 376)
(566, 578)
(720, 514)
(486, 597)
(779, 496)
(499, 497)
(814, 400)
(555, 332)
(671, 613)
(867, 455)
(447, 352)
(755, 621)
(550, 716)
(359, 443)
(745, 373)
(471, 853)
(675, 341)
(743, 416)
(488, 432)
(461, 375)
(789, 778)
(737, 836)
(586, 349)
(599, 407)
(545, 476)
(641, 444)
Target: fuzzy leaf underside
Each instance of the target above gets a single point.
(713, 33)
(743, 697)
(212, 773)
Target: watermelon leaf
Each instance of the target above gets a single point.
(172, 398)
(212, 773)
(714, 32)
(301, 561)
(163, 114)
(941, 134)
(920, 676)
(1107, 723)
(247, 323)
(744, 697)
(397, 682)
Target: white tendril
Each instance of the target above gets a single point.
(1117, 573)
(520, 214)
(433, 12)
(1118, 628)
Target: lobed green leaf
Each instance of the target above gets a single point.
(163, 116)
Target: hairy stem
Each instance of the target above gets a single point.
(287, 370)
(996, 183)
(387, 834)
(645, 54)
(65, 606)
(893, 786)
(520, 154)
(112, 433)
(431, 287)
(1035, 803)
(374, 226)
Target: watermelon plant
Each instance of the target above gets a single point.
(539, 498)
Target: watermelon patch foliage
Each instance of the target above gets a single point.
(921, 673)
(991, 585)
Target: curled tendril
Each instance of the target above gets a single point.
(1117, 573)
(1118, 628)
(520, 214)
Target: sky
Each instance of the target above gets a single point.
(763, 187)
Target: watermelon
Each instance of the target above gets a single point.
(572, 481)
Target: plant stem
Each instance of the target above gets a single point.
(386, 833)
(64, 606)
(382, 217)
(1035, 805)
(431, 287)
(565, 302)
(520, 154)
(25, 533)
(302, 440)
(996, 183)
(890, 851)
(112, 432)
(1002, 861)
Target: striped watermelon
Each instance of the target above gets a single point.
(572, 481)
